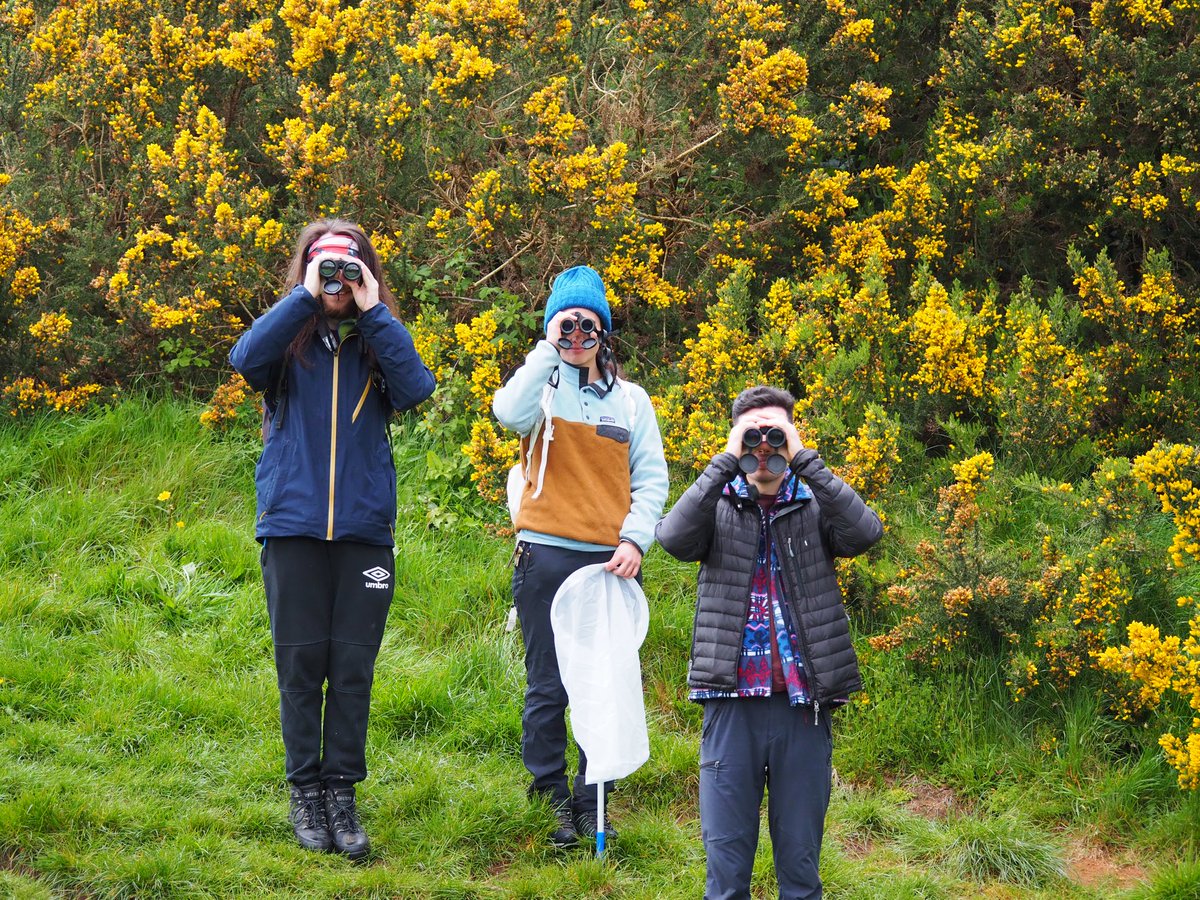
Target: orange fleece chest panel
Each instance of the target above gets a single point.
(586, 490)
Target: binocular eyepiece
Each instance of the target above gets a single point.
(328, 269)
(752, 439)
(774, 437)
(584, 325)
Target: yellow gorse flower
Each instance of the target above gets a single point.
(51, 328)
(1172, 471)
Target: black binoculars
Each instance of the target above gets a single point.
(328, 269)
(587, 327)
(752, 438)
(774, 437)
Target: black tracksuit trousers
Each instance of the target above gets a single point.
(328, 602)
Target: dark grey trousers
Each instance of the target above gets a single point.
(328, 602)
(539, 572)
(749, 744)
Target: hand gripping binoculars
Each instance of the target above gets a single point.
(584, 325)
(752, 439)
(328, 269)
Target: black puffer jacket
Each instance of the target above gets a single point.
(722, 531)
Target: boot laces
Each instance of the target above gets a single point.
(310, 810)
(343, 812)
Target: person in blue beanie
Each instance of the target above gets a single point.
(592, 494)
(334, 364)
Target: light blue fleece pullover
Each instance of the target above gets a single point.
(517, 406)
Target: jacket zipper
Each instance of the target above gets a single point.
(746, 611)
(800, 633)
(333, 440)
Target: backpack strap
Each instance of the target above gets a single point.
(389, 412)
(278, 398)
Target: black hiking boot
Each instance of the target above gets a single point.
(307, 816)
(349, 839)
(585, 827)
(564, 836)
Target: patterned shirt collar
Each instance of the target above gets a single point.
(791, 489)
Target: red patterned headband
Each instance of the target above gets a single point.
(334, 243)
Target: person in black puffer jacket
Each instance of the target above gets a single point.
(771, 649)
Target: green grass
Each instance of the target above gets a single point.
(1177, 882)
(140, 753)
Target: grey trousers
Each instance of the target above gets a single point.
(749, 744)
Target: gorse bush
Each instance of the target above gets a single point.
(960, 219)
(160, 155)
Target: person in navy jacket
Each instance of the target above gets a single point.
(334, 364)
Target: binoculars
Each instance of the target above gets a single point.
(752, 439)
(584, 325)
(328, 269)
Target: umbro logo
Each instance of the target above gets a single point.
(377, 575)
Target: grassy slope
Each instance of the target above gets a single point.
(140, 755)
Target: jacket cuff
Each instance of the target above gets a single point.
(718, 473)
(375, 318)
(636, 545)
(299, 294)
(726, 464)
(807, 460)
(379, 309)
(545, 354)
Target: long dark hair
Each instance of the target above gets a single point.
(606, 362)
(296, 269)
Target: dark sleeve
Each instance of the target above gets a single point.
(260, 350)
(408, 379)
(686, 531)
(849, 526)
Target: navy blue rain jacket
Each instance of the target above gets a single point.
(326, 470)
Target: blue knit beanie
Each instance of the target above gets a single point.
(579, 286)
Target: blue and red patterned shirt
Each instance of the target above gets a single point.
(770, 649)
